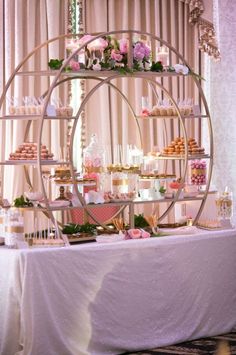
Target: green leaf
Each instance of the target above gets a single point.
(22, 202)
(55, 64)
(157, 66)
(162, 190)
(140, 221)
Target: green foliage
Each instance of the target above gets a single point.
(123, 70)
(162, 189)
(73, 228)
(22, 202)
(157, 66)
(140, 221)
(55, 64)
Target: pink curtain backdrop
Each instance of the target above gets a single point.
(167, 19)
(24, 25)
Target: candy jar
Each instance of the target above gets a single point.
(93, 160)
(224, 204)
(198, 172)
(119, 183)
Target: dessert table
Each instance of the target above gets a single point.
(108, 298)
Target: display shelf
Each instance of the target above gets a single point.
(35, 117)
(33, 162)
(101, 74)
(166, 200)
(105, 77)
(182, 157)
(146, 118)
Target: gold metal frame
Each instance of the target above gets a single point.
(108, 76)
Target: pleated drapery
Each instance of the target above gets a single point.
(106, 114)
(24, 25)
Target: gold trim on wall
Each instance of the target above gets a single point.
(206, 32)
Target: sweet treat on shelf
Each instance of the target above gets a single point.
(165, 108)
(64, 111)
(177, 147)
(26, 110)
(198, 172)
(109, 196)
(28, 151)
(62, 172)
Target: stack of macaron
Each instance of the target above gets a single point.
(177, 147)
(28, 151)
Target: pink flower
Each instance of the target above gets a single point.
(145, 234)
(74, 65)
(141, 51)
(123, 44)
(116, 55)
(135, 233)
(145, 112)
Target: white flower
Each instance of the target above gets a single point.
(182, 69)
(96, 67)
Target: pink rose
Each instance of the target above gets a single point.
(135, 233)
(123, 44)
(116, 55)
(74, 65)
(145, 234)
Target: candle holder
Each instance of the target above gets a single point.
(162, 55)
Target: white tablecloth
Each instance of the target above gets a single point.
(110, 298)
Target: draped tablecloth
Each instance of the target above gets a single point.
(110, 298)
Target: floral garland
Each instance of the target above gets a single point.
(108, 53)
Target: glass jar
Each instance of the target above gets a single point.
(119, 183)
(224, 205)
(94, 160)
(93, 156)
(14, 228)
(198, 172)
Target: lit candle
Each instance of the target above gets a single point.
(163, 55)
